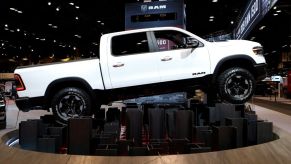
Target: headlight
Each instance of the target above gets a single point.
(258, 50)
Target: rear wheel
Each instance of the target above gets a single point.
(236, 85)
(71, 102)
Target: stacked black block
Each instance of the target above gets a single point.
(79, 135)
(224, 137)
(156, 121)
(107, 150)
(134, 120)
(228, 111)
(158, 147)
(203, 134)
(178, 146)
(252, 119)
(49, 144)
(183, 122)
(29, 131)
(142, 150)
(198, 148)
(264, 132)
(112, 114)
(241, 124)
(170, 122)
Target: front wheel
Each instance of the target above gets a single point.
(236, 85)
(71, 102)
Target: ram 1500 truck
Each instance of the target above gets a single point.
(142, 62)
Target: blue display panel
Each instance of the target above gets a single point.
(155, 14)
(255, 11)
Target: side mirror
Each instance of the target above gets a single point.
(192, 42)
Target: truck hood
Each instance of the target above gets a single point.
(231, 43)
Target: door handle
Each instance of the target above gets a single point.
(167, 58)
(118, 65)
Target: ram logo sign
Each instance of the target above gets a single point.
(145, 8)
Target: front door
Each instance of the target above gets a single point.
(175, 60)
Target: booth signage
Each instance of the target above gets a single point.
(254, 12)
(250, 17)
(155, 14)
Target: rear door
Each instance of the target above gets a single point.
(131, 62)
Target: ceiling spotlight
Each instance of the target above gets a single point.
(211, 17)
(49, 24)
(14, 9)
(210, 20)
(49, 3)
(231, 22)
(102, 24)
(78, 36)
(74, 48)
(54, 41)
(31, 50)
(6, 25)
(71, 3)
(77, 7)
(99, 21)
(11, 30)
(2, 44)
(275, 14)
(275, 7)
(54, 26)
(42, 39)
(214, 1)
(18, 30)
(77, 18)
(57, 9)
(253, 38)
(262, 27)
(278, 11)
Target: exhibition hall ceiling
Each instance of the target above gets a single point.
(40, 28)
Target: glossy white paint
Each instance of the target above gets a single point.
(36, 79)
(137, 69)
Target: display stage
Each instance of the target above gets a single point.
(209, 135)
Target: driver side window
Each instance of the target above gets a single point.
(169, 40)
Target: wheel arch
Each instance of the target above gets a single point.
(242, 61)
(58, 84)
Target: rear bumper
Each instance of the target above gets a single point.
(260, 71)
(26, 104)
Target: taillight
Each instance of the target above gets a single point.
(19, 83)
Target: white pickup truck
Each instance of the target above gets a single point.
(141, 63)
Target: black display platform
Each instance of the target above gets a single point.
(149, 130)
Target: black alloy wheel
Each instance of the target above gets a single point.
(236, 85)
(71, 102)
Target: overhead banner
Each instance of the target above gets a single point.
(254, 12)
(155, 14)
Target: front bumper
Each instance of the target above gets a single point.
(260, 71)
(26, 104)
